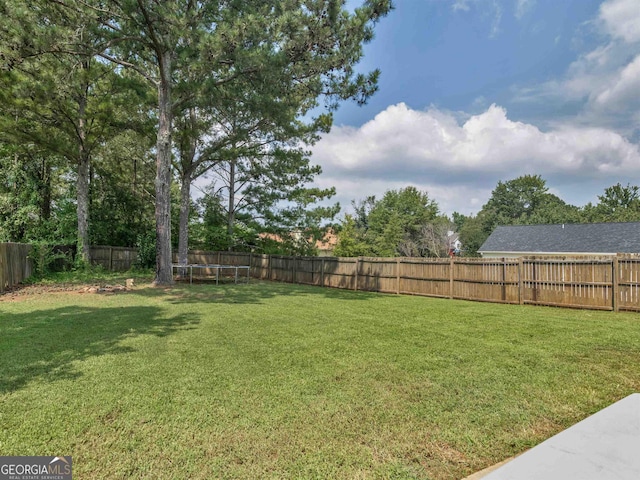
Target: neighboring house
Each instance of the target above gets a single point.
(454, 243)
(604, 239)
(325, 246)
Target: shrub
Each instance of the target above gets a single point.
(146, 245)
(47, 258)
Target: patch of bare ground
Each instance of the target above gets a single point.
(22, 292)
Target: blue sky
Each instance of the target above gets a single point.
(477, 91)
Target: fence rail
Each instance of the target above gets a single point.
(15, 264)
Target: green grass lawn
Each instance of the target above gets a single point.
(285, 381)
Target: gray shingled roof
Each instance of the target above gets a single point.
(570, 238)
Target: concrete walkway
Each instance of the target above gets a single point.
(604, 446)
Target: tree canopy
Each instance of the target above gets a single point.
(281, 64)
(403, 222)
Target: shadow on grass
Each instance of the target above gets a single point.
(41, 345)
(252, 293)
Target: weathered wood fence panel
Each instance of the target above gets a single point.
(568, 283)
(116, 259)
(627, 273)
(340, 272)
(489, 280)
(378, 275)
(424, 276)
(15, 264)
(260, 266)
(308, 270)
(281, 268)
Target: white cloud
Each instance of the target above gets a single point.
(462, 160)
(621, 19)
(523, 7)
(490, 9)
(623, 88)
(489, 140)
(497, 18)
(602, 82)
(461, 5)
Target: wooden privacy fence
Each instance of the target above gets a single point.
(602, 283)
(610, 283)
(15, 264)
(116, 259)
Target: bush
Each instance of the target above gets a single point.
(146, 245)
(47, 258)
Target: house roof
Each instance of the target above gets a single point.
(328, 242)
(609, 238)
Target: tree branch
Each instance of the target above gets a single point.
(131, 66)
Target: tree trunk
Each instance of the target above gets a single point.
(232, 200)
(82, 182)
(163, 174)
(82, 189)
(45, 201)
(188, 149)
(185, 204)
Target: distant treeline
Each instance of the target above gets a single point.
(407, 222)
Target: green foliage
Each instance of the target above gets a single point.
(617, 204)
(404, 222)
(471, 233)
(146, 246)
(47, 259)
(123, 172)
(407, 208)
(254, 72)
(213, 226)
(350, 242)
(514, 202)
(28, 181)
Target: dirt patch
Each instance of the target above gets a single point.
(22, 292)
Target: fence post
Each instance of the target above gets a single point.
(450, 277)
(322, 273)
(535, 279)
(615, 284)
(111, 259)
(520, 283)
(398, 275)
(269, 269)
(504, 279)
(3, 265)
(250, 262)
(293, 269)
(355, 287)
(218, 257)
